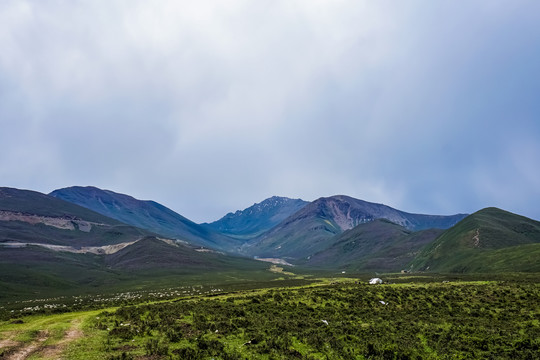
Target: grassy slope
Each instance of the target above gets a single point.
(18, 231)
(379, 245)
(298, 239)
(36, 272)
(153, 253)
(488, 240)
(430, 320)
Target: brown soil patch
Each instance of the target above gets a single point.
(7, 343)
(25, 351)
(125, 348)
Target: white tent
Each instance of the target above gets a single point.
(375, 281)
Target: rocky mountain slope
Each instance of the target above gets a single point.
(312, 228)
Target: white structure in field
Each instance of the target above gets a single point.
(375, 281)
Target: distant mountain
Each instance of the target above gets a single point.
(378, 245)
(258, 218)
(490, 240)
(311, 229)
(148, 215)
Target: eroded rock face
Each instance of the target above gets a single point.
(64, 223)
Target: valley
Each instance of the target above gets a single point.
(87, 273)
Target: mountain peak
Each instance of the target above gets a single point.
(257, 218)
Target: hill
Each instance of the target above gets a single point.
(32, 202)
(258, 218)
(378, 245)
(35, 271)
(148, 215)
(29, 217)
(166, 255)
(312, 228)
(490, 240)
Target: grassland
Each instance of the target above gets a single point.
(408, 317)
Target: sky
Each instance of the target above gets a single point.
(210, 106)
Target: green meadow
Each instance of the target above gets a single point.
(408, 317)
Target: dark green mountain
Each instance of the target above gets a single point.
(27, 201)
(60, 246)
(33, 271)
(258, 218)
(32, 217)
(312, 228)
(152, 253)
(147, 215)
(490, 240)
(378, 245)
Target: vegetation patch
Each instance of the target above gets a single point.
(342, 321)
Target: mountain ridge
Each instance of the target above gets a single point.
(145, 214)
(312, 228)
(258, 218)
(336, 231)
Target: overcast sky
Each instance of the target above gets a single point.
(210, 106)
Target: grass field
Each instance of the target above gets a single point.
(408, 317)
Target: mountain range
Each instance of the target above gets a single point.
(315, 227)
(46, 242)
(86, 235)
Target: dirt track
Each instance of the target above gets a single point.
(22, 351)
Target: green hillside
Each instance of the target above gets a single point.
(294, 238)
(151, 253)
(34, 271)
(379, 245)
(490, 240)
(37, 272)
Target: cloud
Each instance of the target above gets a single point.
(208, 107)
